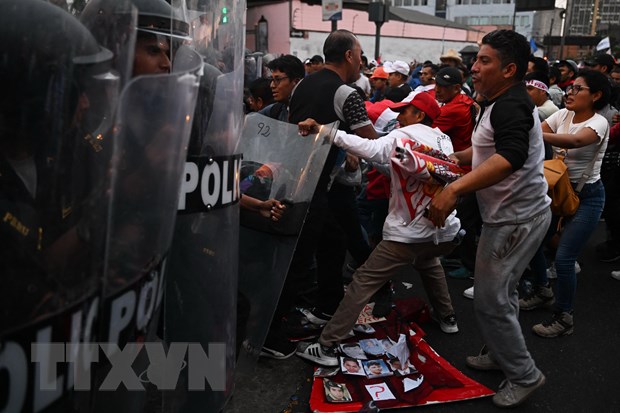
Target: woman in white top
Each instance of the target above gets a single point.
(584, 134)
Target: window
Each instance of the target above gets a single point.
(423, 2)
(485, 20)
(407, 3)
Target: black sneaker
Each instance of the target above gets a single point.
(278, 348)
(318, 353)
(315, 316)
(448, 324)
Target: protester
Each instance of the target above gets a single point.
(507, 176)
(326, 97)
(537, 85)
(380, 84)
(260, 94)
(314, 64)
(419, 244)
(615, 75)
(427, 79)
(451, 58)
(584, 134)
(458, 111)
(556, 94)
(362, 82)
(286, 72)
(568, 69)
(398, 73)
(537, 64)
(457, 117)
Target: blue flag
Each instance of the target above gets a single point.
(533, 45)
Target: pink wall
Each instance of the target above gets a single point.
(278, 21)
(309, 18)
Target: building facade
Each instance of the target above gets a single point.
(481, 14)
(592, 17)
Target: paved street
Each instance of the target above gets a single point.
(583, 370)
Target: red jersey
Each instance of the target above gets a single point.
(457, 120)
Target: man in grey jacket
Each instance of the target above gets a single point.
(507, 176)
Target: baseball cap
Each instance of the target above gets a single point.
(448, 76)
(397, 66)
(307, 62)
(604, 60)
(420, 100)
(316, 59)
(569, 63)
(379, 73)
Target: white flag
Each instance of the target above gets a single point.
(603, 44)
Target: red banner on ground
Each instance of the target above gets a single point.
(432, 379)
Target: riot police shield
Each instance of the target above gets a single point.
(152, 131)
(277, 163)
(56, 109)
(201, 277)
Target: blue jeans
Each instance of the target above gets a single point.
(576, 233)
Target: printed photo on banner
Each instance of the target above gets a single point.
(326, 371)
(398, 368)
(372, 347)
(352, 366)
(353, 350)
(376, 368)
(336, 392)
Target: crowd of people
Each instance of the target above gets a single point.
(497, 120)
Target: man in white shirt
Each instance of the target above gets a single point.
(408, 236)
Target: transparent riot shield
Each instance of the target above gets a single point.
(152, 132)
(277, 163)
(113, 23)
(56, 111)
(201, 277)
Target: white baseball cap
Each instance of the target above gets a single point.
(397, 66)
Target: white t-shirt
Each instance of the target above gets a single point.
(364, 84)
(578, 159)
(396, 228)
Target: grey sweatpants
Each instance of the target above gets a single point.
(504, 252)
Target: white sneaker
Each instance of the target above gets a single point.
(317, 353)
(552, 274)
(469, 293)
(615, 275)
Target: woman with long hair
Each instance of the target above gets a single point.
(583, 134)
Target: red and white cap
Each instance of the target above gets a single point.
(422, 101)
